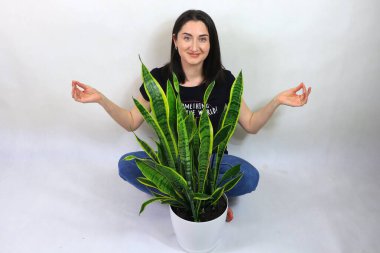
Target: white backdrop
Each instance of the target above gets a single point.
(334, 46)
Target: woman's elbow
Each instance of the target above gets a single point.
(130, 128)
(253, 131)
(250, 130)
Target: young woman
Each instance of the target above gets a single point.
(196, 60)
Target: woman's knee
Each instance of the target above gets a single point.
(128, 168)
(251, 177)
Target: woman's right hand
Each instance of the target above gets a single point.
(84, 93)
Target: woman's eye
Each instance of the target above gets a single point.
(186, 38)
(203, 39)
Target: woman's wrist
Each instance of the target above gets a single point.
(103, 100)
(276, 101)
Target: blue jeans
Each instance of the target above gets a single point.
(129, 172)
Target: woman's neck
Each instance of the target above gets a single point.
(193, 74)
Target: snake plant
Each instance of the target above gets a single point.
(183, 169)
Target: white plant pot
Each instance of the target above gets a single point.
(198, 237)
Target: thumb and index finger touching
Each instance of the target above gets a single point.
(303, 87)
(75, 92)
(82, 85)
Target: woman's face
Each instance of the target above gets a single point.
(193, 43)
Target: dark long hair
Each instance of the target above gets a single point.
(212, 66)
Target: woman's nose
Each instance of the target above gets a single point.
(194, 45)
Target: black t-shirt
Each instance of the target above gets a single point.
(192, 97)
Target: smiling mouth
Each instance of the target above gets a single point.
(194, 55)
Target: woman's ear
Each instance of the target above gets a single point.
(174, 38)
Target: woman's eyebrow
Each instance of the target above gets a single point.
(189, 34)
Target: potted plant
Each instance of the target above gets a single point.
(183, 169)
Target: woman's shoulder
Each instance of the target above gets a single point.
(228, 74)
(227, 78)
(161, 74)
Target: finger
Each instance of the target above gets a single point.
(77, 95)
(308, 93)
(301, 100)
(82, 85)
(74, 83)
(73, 91)
(297, 88)
(304, 88)
(72, 88)
(305, 94)
(76, 92)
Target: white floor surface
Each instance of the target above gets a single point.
(54, 200)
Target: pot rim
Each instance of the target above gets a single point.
(224, 212)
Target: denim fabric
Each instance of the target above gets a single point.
(129, 172)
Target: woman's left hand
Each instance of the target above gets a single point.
(291, 98)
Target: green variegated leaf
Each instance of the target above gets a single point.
(216, 195)
(161, 177)
(233, 108)
(221, 136)
(181, 111)
(194, 126)
(201, 196)
(184, 151)
(231, 184)
(229, 174)
(160, 134)
(146, 182)
(168, 200)
(176, 180)
(160, 107)
(190, 123)
(205, 149)
(231, 117)
(195, 144)
(158, 194)
(176, 83)
(149, 202)
(222, 117)
(172, 202)
(172, 109)
(161, 154)
(157, 97)
(148, 150)
(208, 91)
(206, 138)
(129, 158)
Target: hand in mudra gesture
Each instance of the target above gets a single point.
(85, 93)
(291, 98)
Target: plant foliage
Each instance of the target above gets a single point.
(184, 169)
